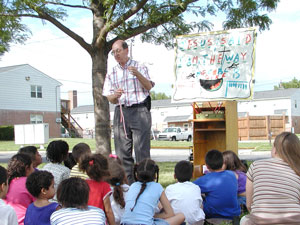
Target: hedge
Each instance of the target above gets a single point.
(6, 133)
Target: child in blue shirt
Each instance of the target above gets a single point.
(220, 188)
(41, 185)
(143, 197)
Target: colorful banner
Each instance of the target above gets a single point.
(215, 66)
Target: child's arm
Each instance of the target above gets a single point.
(108, 211)
(249, 194)
(167, 208)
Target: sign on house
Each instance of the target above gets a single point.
(215, 65)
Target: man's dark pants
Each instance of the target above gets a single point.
(138, 126)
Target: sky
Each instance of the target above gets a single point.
(55, 54)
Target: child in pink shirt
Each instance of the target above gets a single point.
(19, 168)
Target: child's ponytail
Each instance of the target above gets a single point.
(117, 178)
(145, 172)
(95, 165)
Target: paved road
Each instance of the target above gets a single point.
(164, 155)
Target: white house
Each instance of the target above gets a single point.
(27, 95)
(164, 113)
(275, 102)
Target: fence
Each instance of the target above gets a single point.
(261, 127)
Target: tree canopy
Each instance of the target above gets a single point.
(294, 83)
(156, 21)
(159, 96)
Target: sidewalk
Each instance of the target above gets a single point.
(164, 155)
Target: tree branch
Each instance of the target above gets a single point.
(20, 15)
(67, 31)
(67, 5)
(103, 32)
(126, 15)
(141, 29)
(112, 10)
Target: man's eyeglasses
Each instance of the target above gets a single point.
(117, 51)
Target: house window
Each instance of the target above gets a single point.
(162, 113)
(295, 104)
(280, 111)
(36, 91)
(86, 116)
(36, 118)
(185, 126)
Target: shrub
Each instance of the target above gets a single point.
(6, 133)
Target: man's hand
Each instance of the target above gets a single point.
(118, 93)
(133, 70)
(144, 81)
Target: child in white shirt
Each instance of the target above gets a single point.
(184, 196)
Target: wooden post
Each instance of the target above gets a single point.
(248, 126)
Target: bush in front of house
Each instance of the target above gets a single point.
(6, 133)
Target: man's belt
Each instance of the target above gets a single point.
(134, 105)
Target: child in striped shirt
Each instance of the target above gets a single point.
(73, 195)
(78, 152)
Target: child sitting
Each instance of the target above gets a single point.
(41, 185)
(32, 151)
(78, 152)
(143, 197)
(118, 181)
(185, 196)
(96, 167)
(19, 168)
(57, 152)
(219, 187)
(233, 163)
(73, 195)
(7, 213)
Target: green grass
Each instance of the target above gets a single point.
(256, 146)
(166, 172)
(11, 146)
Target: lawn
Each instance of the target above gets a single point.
(166, 172)
(11, 146)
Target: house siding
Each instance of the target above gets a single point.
(13, 117)
(15, 90)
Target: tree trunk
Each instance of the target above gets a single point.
(101, 105)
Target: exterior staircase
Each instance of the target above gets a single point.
(74, 129)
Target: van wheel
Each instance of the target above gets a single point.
(189, 138)
(173, 138)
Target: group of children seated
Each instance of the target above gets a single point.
(94, 189)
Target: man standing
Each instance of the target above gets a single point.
(128, 85)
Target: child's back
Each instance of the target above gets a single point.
(73, 194)
(96, 166)
(57, 152)
(143, 198)
(39, 215)
(145, 205)
(118, 182)
(185, 196)
(220, 188)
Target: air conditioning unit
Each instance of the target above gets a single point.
(31, 133)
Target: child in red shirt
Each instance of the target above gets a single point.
(96, 167)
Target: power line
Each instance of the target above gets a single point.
(73, 81)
